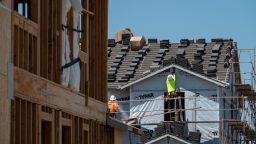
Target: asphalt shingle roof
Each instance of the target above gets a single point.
(208, 58)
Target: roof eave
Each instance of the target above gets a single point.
(215, 81)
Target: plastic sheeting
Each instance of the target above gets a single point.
(65, 49)
(70, 76)
(209, 131)
(152, 115)
(77, 7)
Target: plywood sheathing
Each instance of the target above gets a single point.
(5, 58)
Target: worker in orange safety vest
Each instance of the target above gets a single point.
(112, 105)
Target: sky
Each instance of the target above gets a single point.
(192, 19)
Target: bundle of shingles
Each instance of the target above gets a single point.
(169, 61)
(194, 137)
(179, 130)
(182, 61)
(196, 67)
(169, 128)
(159, 130)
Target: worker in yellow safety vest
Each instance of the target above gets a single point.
(112, 105)
(170, 83)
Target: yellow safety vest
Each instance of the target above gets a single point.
(171, 84)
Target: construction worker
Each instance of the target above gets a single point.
(170, 83)
(113, 106)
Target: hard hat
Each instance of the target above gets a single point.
(112, 98)
(170, 77)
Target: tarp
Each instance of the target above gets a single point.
(65, 49)
(75, 69)
(76, 5)
(70, 76)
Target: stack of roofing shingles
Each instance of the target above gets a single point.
(228, 56)
(212, 65)
(118, 59)
(111, 43)
(194, 137)
(134, 64)
(164, 47)
(180, 53)
(200, 51)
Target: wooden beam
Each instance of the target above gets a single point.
(39, 90)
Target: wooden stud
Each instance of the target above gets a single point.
(30, 54)
(28, 123)
(26, 51)
(16, 46)
(58, 33)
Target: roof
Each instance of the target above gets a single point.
(215, 81)
(120, 125)
(174, 139)
(208, 60)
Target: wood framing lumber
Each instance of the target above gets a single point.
(88, 12)
(39, 90)
(83, 56)
(5, 58)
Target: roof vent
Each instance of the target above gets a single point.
(137, 42)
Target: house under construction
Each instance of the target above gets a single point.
(209, 105)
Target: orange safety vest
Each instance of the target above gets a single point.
(112, 106)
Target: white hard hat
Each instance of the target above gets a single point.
(112, 98)
(170, 77)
